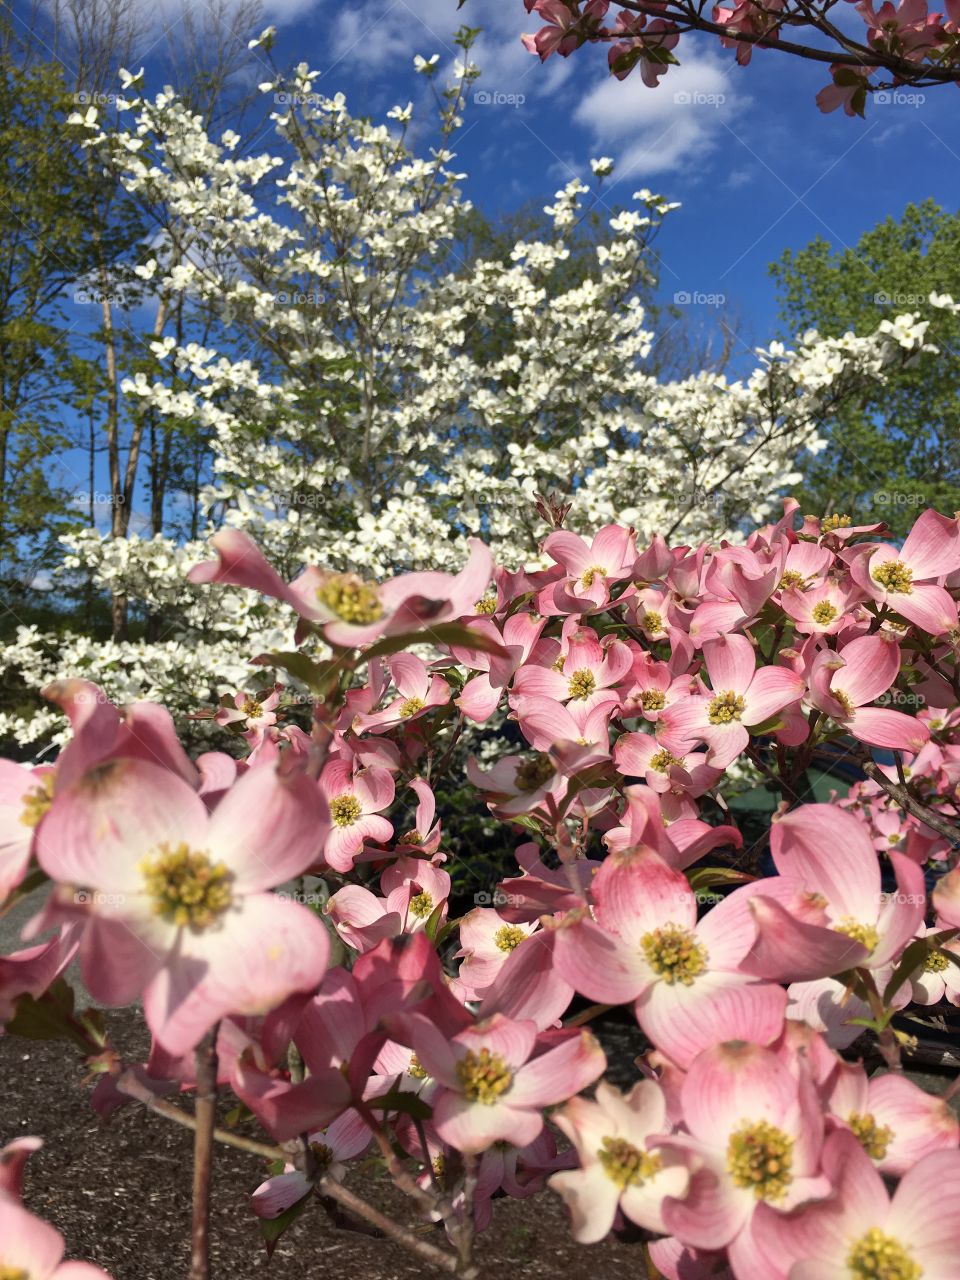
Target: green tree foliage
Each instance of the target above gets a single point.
(898, 450)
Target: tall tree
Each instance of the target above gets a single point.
(895, 450)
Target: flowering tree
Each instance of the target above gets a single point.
(357, 415)
(767, 981)
(902, 44)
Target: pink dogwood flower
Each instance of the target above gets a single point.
(353, 612)
(413, 890)
(591, 570)
(742, 696)
(841, 684)
(647, 946)
(25, 796)
(487, 942)
(907, 580)
(589, 671)
(175, 899)
(757, 1131)
(896, 1122)
(32, 1249)
(860, 1231)
(621, 1167)
(481, 694)
(827, 911)
(493, 1087)
(355, 801)
(417, 692)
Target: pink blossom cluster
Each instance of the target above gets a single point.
(643, 685)
(902, 41)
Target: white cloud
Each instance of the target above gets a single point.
(381, 34)
(668, 128)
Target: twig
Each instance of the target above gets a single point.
(929, 817)
(466, 1232)
(325, 1186)
(205, 1111)
(131, 1086)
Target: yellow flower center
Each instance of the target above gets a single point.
(509, 937)
(823, 613)
(187, 888)
(935, 962)
(412, 837)
(532, 774)
(663, 760)
(652, 621)
(893, 575)
(865, 934)
(874, 1138)
(12, 1273)
(581, 684)
(829, 523)
(625, 1164)
(484, 1076)
(35, 804)
(411, 707)
(251, 707)
(590, 575)
(653, 699)
(877, 1256)
(792, 578)
(760, 1156)
(725, 707)
(421, 905)
(322, 1154)
(350, 598)
(487, 605)
(674, 953)
(560, 663)
(844, 700)
(415, 1069)
(345, 810)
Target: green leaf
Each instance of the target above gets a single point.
(411, 1104)
(446, 633)
(317, 678)
(271, 1229)
(707, 877)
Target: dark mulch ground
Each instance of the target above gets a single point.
(120, 1192)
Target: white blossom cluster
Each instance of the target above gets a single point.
(401, 399)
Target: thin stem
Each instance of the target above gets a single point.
(325, 1186)
(929, 817)
(205, 1111)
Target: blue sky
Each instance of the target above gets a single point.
(755, 164)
